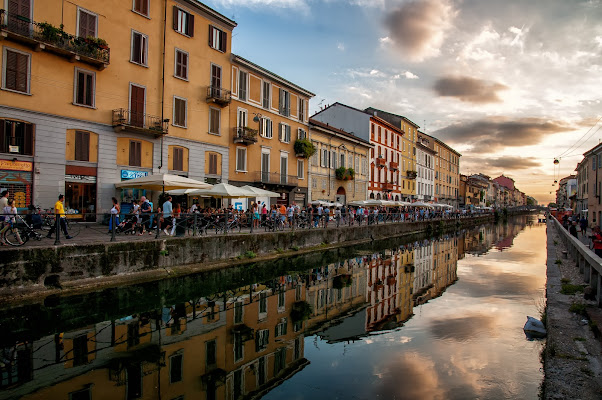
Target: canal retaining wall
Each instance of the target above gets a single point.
(55, 265)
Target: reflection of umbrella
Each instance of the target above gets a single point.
(260, 192)
(162, 182)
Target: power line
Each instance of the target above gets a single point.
(575, 144)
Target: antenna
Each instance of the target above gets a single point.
(320, 104)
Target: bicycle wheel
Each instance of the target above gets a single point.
(16, 237)
(73, 228)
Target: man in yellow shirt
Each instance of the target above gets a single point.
(59, 210)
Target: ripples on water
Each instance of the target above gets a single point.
(430, 319)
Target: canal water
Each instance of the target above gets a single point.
(430, 318)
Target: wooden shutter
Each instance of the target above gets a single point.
(136, 48)
(87, 24)
(21, 8)
(17, 66)
(190, 25)
(82, 146)
(175, 18)
(137, 106)
(210, 36)
(145, 7)
(223, 41)
(3, 137)
(89, 89)
(180, 112)
(135, 153)
(178, 159)
(213, 164)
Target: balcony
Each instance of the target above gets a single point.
(135, 122)
(276, 178)
(219, 96)
(411, 174)
(43, 36)
(387, 187)
(393, 166)
(245, 135)
(380, 162)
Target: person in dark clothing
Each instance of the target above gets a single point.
(573, 229)
(583, 225)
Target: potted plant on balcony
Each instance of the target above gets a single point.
(340, 173)
(304, 148)
(350, 173)
(249, 132)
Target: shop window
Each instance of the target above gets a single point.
(178, 159)
(82, 146)
(16, 70)
(86, 23)
(16, 137)
(183, 22)
(135, 153)
(141, 7)
(217, 39)
(212, 164)
(181, 67)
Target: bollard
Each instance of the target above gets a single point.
(158, 227)
(113, 221)
(57, 228)
(194, 228)
(252, 221)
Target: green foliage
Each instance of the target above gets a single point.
(578, 308)
(301, 311)
(341, 281)
(304, 148)
(164, 252)
(558, 261)
(295, 248)
(570, 289)
(344, 174)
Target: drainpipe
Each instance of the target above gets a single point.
(163, 80)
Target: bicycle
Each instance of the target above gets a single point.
(20, 229)
(49, 220)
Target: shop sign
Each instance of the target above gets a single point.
(16, 165)
(127, 174)
(80, 178)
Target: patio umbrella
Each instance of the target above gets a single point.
(225, 190)
(421, 204)
(260, 192)
(178, 192)
(358, 203)
(162, 182)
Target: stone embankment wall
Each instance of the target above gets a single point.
(52, 266)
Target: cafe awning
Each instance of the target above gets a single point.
(162, 182)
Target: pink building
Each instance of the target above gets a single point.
(505, 181)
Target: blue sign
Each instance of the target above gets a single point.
(238, 206)
(127, 174)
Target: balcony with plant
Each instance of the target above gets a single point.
(411, 174)
(245, 135)
(304, 148)
(45, 36)
(344, 174)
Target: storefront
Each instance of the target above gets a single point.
(17, 178)
(80, 192)
(128, 195)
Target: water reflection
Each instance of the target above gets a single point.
(240, 333)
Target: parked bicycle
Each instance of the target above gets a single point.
(20, 232)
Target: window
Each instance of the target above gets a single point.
(333, 160)
(181, 64)
(84, 87)
(279, 360)
(283, 168)
(263, 303)
(281, 297)
(80, 350)
(141, 7)
(281, 327)
(211, 353)
(265, 127)
(266, 95)
(83, 394)
(242, 85)
(16, 137)
(238, 312)
(342, 160)
(135, 153)
(175, 368)
(285, 103)
(183, 22)
(238, 346)
(241, 159)
(139, 48)
(285, 133)
(178, 159)
(301, 134)
(214, 120)
(86, 22)
(301, 110)
(324, 159)
(179, 112)
(300, 168)
(217, 39)
(212, 163)
(16, 70)
(82, 146)
(262, 338)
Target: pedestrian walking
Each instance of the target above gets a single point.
(59, 211)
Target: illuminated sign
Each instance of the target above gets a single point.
(127, 174)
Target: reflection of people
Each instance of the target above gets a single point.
(59, 211)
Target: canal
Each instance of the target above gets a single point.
(421, 318)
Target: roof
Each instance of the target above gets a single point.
(389, 125)
(338, 131)
(390, 113)
(243, 61)
(210, 11)
(339, 104)
(441, 143)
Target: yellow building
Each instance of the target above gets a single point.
(338, 170)
(268, 115)
(447, 174)
(102, 92)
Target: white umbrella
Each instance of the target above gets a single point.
(421, 204)
(358, 203)
(260, 192)
(162, 182)
(178, 192)
(225, 190)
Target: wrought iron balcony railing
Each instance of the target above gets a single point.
(132, 121)
(218, 95)
(245, 135)
(276, 178)
(44, 36)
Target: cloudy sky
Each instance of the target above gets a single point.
(510, 84)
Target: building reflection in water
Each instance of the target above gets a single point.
(237, 343)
